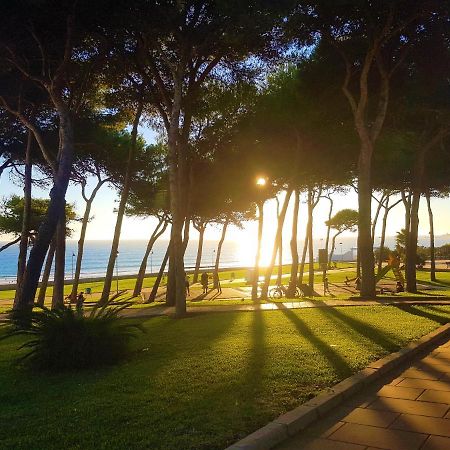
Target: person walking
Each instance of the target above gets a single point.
(80, 301)
(204, 281)
(186, 280)
(216, 281)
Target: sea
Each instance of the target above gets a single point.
(234, 254)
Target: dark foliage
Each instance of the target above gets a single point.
(66, 339)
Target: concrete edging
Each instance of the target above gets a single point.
(293, 421)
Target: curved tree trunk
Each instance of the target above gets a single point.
(84, 224)
(155, 287)
(294, 250)
(281, 217)
(46, 274)
(157, 232)
(377, 214)
(383, 235)
(87, 211)
(432, 250)
(198, 260)
(60, 264)
(24, 235)
(333, 245)
(218, 253)
(54, 213)
(327, 240)
(121, 210)
(258, 252)
(302, 262)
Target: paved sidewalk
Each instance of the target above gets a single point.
(411, 411)
(154, 311)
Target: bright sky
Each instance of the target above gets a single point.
(102, 225)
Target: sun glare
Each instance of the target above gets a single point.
(261, 181)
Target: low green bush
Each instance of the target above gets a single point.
(67, 339)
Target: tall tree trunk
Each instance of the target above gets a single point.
(25, 232)
(54, 213)
(303, 260)
(60, 264)
(383, 235)
(198, 260)
(176, 290)
(411, 248)
(46, 274)
(121, 210)
(432, 250)
(294, 249)
(364, 221)
(310, 239)
(407, 198)
(327, 240)
(281, 217)
(84, 224)
(258, 251)
(155, 287)
(280, 255)
(218, 253)
(157, 232)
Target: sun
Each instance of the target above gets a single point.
(261, 181)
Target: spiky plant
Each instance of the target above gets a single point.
(66, 338)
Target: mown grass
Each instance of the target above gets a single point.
(201, 382)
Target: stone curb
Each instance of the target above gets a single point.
(293, 421)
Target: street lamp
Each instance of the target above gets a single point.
(73, 254)
(212, 257)
(117, 270)
(151, 262)
(342, 256)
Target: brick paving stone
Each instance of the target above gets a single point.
(435, 396)
(440, 366)
(428, 374)
(425, 384)
(320, 444)
(409, 407)
(421, 424)
(411, 411)
(380, 437)
(399, 392)
(395, 381)
(364, 416)
(436, 443)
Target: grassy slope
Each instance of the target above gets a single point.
(201, 382)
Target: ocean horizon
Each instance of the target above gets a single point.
(234, 254)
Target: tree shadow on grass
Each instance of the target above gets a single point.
(363, 328)
(340, 365)
(412, 309)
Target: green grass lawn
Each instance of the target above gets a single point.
(201, 382)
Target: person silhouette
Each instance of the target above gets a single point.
(204, 281)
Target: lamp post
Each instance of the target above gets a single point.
(151, 262)
(212, 258)
(73, 255)
(117, 271)
(342, 255)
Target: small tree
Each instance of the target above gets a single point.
(344, 220)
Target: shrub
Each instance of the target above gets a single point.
(65, 338)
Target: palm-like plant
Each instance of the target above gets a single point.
(66, 338)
